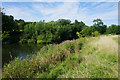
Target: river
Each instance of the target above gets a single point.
(10, 51)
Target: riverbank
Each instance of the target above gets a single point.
(89, 57)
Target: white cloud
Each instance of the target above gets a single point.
(67, 10)
(19, 13)
(72, 11)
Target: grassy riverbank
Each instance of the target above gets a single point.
(89, 57)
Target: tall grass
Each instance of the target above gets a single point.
(100, 60)
(50, 58)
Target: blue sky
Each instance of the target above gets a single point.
(48, 11)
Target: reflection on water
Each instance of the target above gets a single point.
(10, 51)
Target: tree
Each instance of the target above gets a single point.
(113, 29)
(63, 21)
(99, 26)
(87, 31)
(8, 24)
(20, 23)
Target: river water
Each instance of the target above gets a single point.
(10, 51)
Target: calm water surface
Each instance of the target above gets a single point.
(10, 51)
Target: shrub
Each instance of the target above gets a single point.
(23, 41)
(40, 41)
(31, 41)
(78, 34)
(95, 34)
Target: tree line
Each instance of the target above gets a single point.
(14, 31)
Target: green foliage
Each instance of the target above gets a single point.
(113, 29)
(8, 23)
(78, 34)
(86, 31)
(40, 39)
(100, 27)
(11, 29)
(31, 41)
(23, 41)
(95, 34)
(63, 21)
(50, 32)
(20, 24)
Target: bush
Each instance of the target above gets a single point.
(23, 41)
(95, 34)
(40, 41)
(31, 41)
(78, 34)
(113, 29)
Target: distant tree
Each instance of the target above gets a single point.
(99, 26)
(113, 29)
(20, 23)
(63, 21)
(98, 22)
(8, 24)
(87, 31)
(79, 25)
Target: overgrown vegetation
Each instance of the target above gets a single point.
(93, 57)
(99, 60)
(51, 59)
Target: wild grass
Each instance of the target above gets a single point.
(89, 57)
(100, 60)
(50, 58)
(117, 39)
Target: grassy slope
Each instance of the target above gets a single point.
(100, 59)
(86, 57)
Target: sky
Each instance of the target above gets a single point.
(60, 0)
(52, 11)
